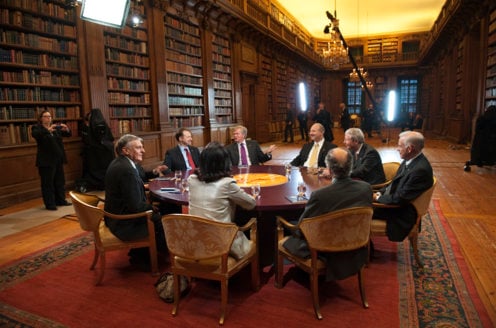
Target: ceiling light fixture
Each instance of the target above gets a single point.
(336, 53)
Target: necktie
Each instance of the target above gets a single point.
(190, 159)
(312, 162)
(244, 159)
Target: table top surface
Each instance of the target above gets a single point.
(278, 188)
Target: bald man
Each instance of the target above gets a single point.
(342, 193)
(318, 144)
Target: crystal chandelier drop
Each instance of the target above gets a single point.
(354, 77)
(335, 54)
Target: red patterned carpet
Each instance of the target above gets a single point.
(54, 288)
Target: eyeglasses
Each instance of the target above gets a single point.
(46, 115)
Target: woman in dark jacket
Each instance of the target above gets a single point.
(50, 159)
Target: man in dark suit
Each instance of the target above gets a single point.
(125, 194)
(318, 144)
(367, 164)
(184, 156)
(414, 176)
(246, 152)
(342, 193)
(323, 117)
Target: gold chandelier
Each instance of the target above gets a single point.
(354, 77)
(336, 53)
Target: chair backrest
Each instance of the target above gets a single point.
(89, 215)
(340, 230)
(195, 238)
(390, 169)
(421, 203)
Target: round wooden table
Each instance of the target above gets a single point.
(277, 187)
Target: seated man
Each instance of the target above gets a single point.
(367, 164)
(184, 156)
(342, 193)
(125, 194)
(246, 152)
(414, 176)
(313, 154)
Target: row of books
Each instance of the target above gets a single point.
(131, 111)
(36, 59)
(40, 42)
(128, 58)
(41, 24)
(125, 98)
(38, 94)
(193, 60)
(39, 77)
(14, 134)
(222, 102)
(129, 126)
(174, 100)
(55, 9)
(128, 72)
(179, 122)
(222, 43)
(129, 32)
(223, 59)
(185, 111)
(17, 113)
(114, 83)
(184, 90)
(183, 68)
(222, 85)
(180, 78)
(125, 43)
(182, 26)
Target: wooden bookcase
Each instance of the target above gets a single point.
(184, 71)
(222, 78)
(491, 63)
(281, 88)
(128, 77)
(38, 67)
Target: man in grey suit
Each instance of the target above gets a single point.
(184, 156)
(414, 176)
(247, 152)
(318, 144)
(342, 193)
(367, 164)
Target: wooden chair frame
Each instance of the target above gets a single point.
(353, 233)
(204, 252)
(91, 218)
(421, 204)
(390, 169)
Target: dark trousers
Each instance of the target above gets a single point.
(288, 130)
(52, 184)
(304, 131)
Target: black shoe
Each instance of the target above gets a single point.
(51, 208)
(66, 203)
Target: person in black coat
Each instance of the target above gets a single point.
(98, 149)
(342, 193)
(288, 130)
(50, 159)
(483, 150)
(254, 154)
(316, 137)
(323, 117)
(303, 124)
(414, 176)
(125, 194)
(177, 158)
(367, 164)
(345, 117)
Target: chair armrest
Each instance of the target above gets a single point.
(281, 224)
(148, 215)
(252, 226)
(381, 205)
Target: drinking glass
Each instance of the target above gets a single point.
(302, 189)
(287, 166)
(255, 190)
(178, 175)
(184, 185)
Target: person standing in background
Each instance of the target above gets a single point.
(50, 159)
(289, 124)
(323, 117)
(303, 122)
(345, 117)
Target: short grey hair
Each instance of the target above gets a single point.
(339, 161)
(356, 135)
(243, 129)
(413, 138)
(124, 141)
